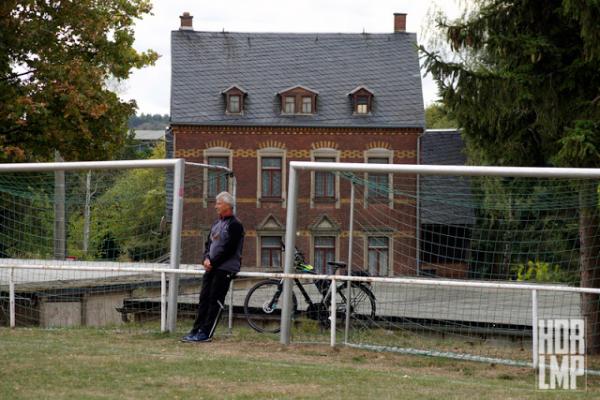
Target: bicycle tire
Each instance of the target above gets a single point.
(261, 316)
(362, 305)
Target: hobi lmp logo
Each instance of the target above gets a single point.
(561, 354)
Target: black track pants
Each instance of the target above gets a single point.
(215, 285)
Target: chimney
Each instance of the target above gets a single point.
(186, 22)
(399, 22)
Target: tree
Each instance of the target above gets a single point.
(524, 87)
(123, 221)
(437, 117)
(149, 121)
(56, 60)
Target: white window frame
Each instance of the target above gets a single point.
(379, 153)
(215, 152)
(285, 104)
(259, 238)
(310, 104)
(336, 242)
(271, 152)
(325, 153)
(390, 238)
(366, 105)
(239, 104)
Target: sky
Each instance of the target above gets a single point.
(150, 86)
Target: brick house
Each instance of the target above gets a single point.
(256, 101)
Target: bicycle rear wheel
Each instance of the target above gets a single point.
(362, 305)
(262, 306)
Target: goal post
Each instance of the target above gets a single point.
(175, 165)
(107, 219)
(561, 212)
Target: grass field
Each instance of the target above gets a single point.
(138, 363)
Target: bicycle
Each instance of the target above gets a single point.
(262, 306)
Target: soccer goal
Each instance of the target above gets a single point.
(462, 261)
(87, 243)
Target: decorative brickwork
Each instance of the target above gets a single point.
(378, 145)
(298, 153)
(218, 143)
(188, 153)
(271, 144)
(244, 153)
(324, 144)
(352, 154)
(403, 154)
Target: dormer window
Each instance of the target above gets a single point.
(234, 100)
(298, 100)
(362, 100)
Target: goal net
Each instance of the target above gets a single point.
(97, 220)
(502, 229)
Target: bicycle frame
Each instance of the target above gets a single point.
(324, 297)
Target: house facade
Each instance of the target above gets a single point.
(253, 102)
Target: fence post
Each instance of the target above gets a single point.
(11, 296)
(290, 244)
(163, 302)
(350, 249)
(60, 241)
(534, 328)
(178, 176)
(230, 319)
(333, 315)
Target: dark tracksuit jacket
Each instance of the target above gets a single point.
(224, 244)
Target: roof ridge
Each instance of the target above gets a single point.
(278, 34)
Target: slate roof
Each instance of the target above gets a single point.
(445, 200)
(206, 63)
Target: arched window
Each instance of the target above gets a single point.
(325, 186)
(380, 185)
(216, 181)
(271, 175)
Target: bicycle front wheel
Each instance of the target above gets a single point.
(263, 306)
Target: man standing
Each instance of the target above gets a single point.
(222, 260)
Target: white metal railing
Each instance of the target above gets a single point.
(166, 302)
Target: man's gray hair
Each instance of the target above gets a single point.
(226, 197)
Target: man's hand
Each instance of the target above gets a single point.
(207, 265)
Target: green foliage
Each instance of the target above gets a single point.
(437, 117)
(26, 226)
(580, 147)
(125, 219)
(522, 82)
(527, 72)
(56, 59)
(149, 121)
(517, 219)
(539, 271)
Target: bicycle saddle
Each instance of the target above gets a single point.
(337, 264)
